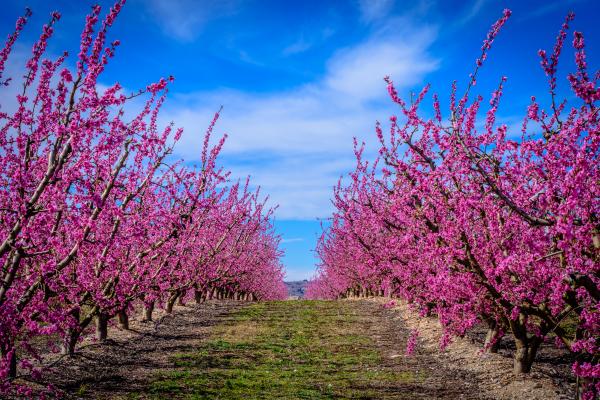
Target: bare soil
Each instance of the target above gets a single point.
(550, 377)
(128, 360)
(132, 363)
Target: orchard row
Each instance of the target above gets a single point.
(98, 219)
(474, 223)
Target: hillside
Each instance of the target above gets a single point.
(296, 288)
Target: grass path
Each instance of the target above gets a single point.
(274, 350)
(306, 350)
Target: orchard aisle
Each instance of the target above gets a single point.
(285, 350)
(309, 350)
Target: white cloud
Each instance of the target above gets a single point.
(371, 10)
(300, 46)
(185, 19)
(471, 12)
(548, 7)
(292, 240)
(306, 42)
(295, 144)
(358, 72)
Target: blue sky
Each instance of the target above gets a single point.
(299, 79)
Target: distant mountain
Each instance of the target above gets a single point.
(296, 288)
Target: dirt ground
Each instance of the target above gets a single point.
(490, 375)
(129, 362)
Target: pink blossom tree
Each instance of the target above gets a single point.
(461, 220)
(95, 218)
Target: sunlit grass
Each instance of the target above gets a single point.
(282, 350)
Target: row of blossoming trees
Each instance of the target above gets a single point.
(465, 222)
(96, 219)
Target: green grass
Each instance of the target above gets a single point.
(282, 350)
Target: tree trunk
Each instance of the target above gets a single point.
(12, 369)
(70, 342)
(12, 363)
(101, 327)
(525, 355)
(492, 337)
(171, 302)
(180, 299)
(72, 335)
(148, 309)
(198, 296)
(123, 319)
(527, 345)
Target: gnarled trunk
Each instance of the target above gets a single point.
(527, 345)
(180, 298)
(171, 302)
(123, 319)
(525, 355)
(102, 327)
(492, 337)
(198, 296)
(70, 342)
(148, 310)
(72, 335)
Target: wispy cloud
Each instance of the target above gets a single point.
(297, 143)
(372, 10)
(292, 240)
(307, 41)
(471, 11)
(358, 71)
(185, 19)
(548, 7)
(300, 46)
